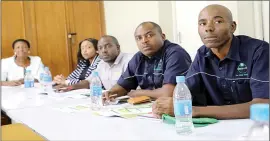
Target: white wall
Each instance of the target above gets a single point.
(122, 17)
(265, 11)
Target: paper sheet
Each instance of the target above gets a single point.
(74, 108)
(129, 111)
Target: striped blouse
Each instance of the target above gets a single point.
(82, 71)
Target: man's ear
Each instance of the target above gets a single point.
(163, 36)
(233, 27)
(118, 47)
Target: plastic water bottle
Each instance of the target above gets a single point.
(41, 74)
(259, 113)
(28, 79)
(182, 101)
(96, 92)
(46, 81)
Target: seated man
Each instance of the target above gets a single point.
(154, 67)
(229, 72)
(113, 63)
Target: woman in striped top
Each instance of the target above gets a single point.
(88, 60)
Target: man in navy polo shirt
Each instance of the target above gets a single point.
(229, 72)
(154, 67)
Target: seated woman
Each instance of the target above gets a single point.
(14, 68)
(88, 60)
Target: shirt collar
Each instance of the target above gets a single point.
(233, 53)
(14, 58)
(234, 50)
(118, 59)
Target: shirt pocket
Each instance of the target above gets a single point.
(242, 90)
(158, 80)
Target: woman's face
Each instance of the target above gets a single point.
(88, 50)
(21, 49)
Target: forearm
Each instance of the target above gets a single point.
(152, 93)
(84, 84)
(119, 90)
(165, 91)
(4, 83)
(237, 111)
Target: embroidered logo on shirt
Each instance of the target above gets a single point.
(242, 70)
(158, 66)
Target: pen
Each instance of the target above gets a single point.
(111, 95)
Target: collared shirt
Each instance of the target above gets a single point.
(109, 74)
(241, 76)
(11, 71)
(82, 71)
(151, 73)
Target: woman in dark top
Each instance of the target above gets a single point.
(88, 60)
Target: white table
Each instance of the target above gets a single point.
(57, 125)
(19, 98)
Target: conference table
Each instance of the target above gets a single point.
(39, 112)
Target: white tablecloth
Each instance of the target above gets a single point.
(56, 125)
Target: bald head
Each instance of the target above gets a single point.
(150, 24)
(215, 8)
(216, 26)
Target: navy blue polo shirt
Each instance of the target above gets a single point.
(240, 77)
(151, 73)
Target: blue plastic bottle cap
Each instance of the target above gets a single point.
(259, 112)
(28, 71)
(180, 79)
(95, 73)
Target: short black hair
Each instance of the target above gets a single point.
(79, 54)
(115, 41)
(155, 25)
(20, 40)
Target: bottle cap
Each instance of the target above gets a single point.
(259, 112)
(180, 79)
(95, 73)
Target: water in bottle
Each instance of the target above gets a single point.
(182, 101)
(28, 79)
(259, 113)
(47, 81)
(41, 74)
(96, 92)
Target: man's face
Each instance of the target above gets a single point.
(215, 28)
(108, 50)
(148, 39)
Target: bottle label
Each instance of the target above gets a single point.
(182, 107)
(28, 84)
(96, 91)
(47, 78)
(41, 76)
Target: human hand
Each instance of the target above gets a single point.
(163, 105)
